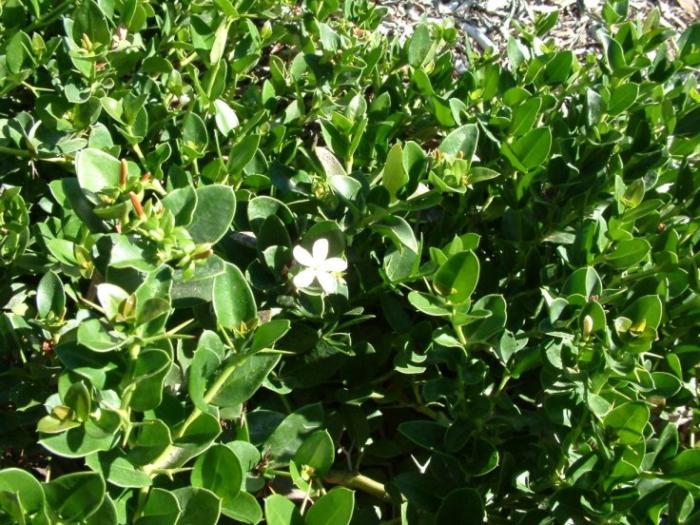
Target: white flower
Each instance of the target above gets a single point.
(318, 267)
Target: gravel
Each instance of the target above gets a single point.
(488, 23)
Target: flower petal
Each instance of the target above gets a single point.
(304, 278)
(320, 250)
(303, 256)
(334, 264)
(327, 281)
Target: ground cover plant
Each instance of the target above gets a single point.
(260, 263)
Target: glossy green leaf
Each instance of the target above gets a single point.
(281, 511)
(50, 296)
(199, 506)
(336, 507)
(213, 213)
(462, 142)
(219, 471)
(394, 176)
(233, 299)
(627, 422)
(317, 451)
(74, 497)
(530, 151)
(456, 279)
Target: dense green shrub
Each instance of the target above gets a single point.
(259, 262)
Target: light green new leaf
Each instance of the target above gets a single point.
(419, 46)
(394, 176)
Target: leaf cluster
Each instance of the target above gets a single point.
(515, 339)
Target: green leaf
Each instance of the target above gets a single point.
(147, 440)
(394, 176)
(213, 213)
(98, 171)
(111, 298)
(219, 45)
(684, 469)
(646, 310)
(244, 508)
(426, 434)
(73, 497)
(96, 335)
(161, 508)
(462, 141)
(286, 439)
(181, 203)
(525, 116)
(281, 511)
(245, 380)
(234, 304)
(627, 253)
(150, 369)
(243, 152)
(333, 508)
(93, 436)
(199, 506)
(428, 304)
(106, 514)
(622, 98)
(194, 134)
(530, 151)
(50, 297)
(317, 451)
(346, 187)
(219, 471)
(398, 230)
(25, 487)
(331, 166)
(558, 69)
(226, 119)
(627, 422)
(268, 333)
(456, 279)
(419, 46)
(78, 399)
(461, 502)
(116, 468)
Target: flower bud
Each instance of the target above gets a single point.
(123, 172)
(136, 203)
(266, 31)
(587, 326)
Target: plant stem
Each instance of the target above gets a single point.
(458, 332)
(26, 154)
(211, 393)
(358, 482)
(49, 17)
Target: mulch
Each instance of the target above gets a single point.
(488, 23)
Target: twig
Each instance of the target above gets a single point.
(358, 482)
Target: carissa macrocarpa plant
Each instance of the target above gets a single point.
(261, 263)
